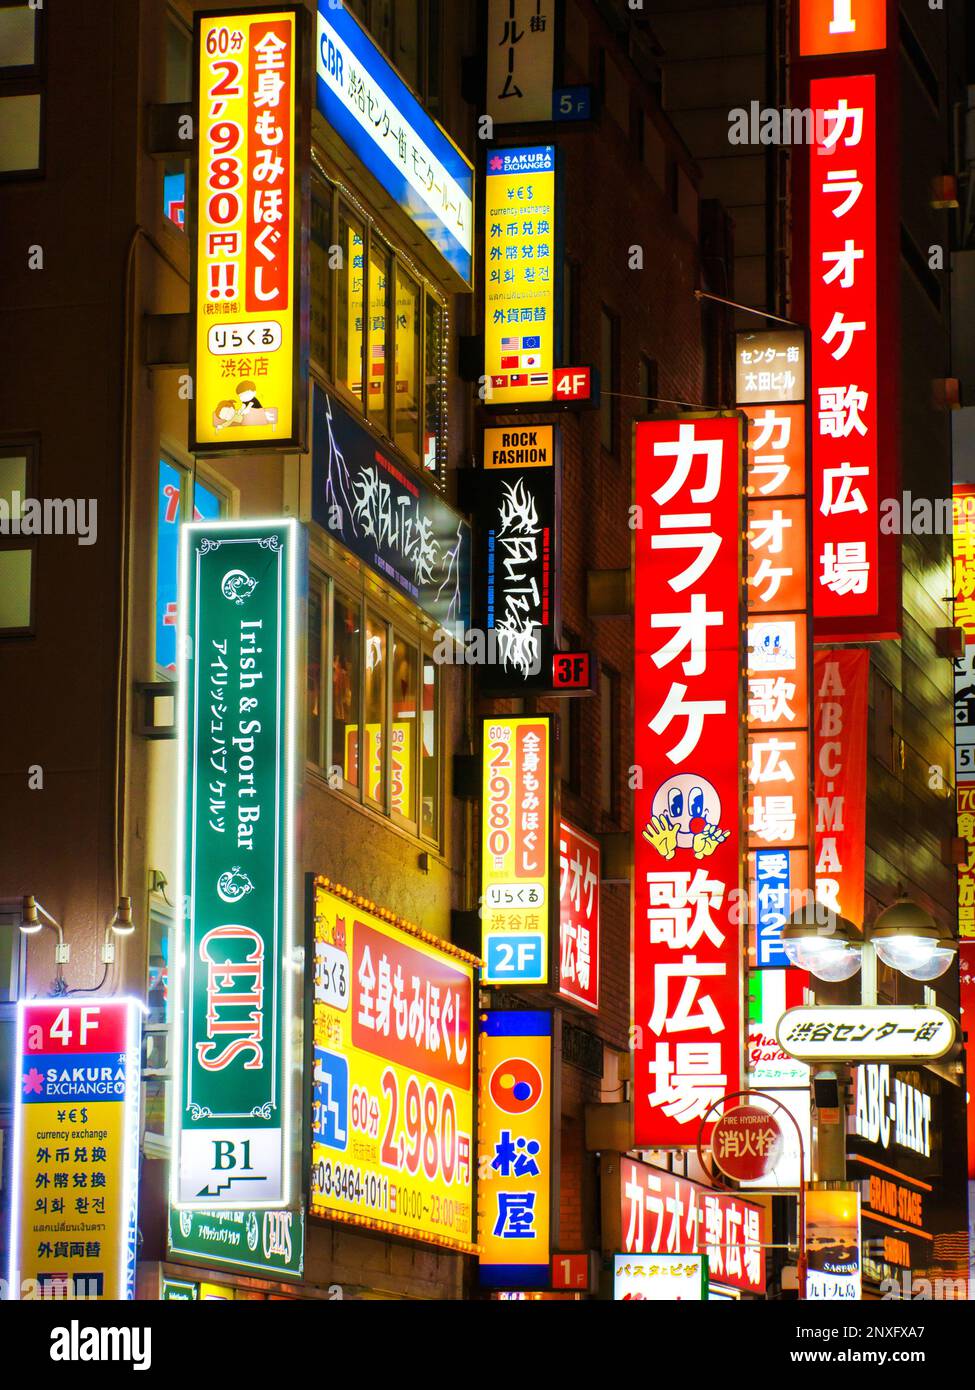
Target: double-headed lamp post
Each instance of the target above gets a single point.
(906, 938)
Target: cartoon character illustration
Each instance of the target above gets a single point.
(225, 414)
(247, 395)
(246, 410)
(685, 814)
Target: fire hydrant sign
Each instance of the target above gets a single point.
(247, 284)
(746, 1143)
(76, 1149)
(233, 1130)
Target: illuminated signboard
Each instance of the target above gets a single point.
(770, 367)
(832, 1244)
(519, 517)
(579, 861)
(516, 849)
(573, 673)
(688, 701)
(894, 1032)
(770, 994)
(891, 1111)
(390, 517)
(841, 26)
(393, 1099)
(840, 680)
(660, 1211)
(234, 1107)
(250, 354)
(514, 1133)
(520, 273)
(966, 999)
(670, 1278)
(259, 1242)
(372, 110)
(520, 60)
(963, 588)
(75, 1164)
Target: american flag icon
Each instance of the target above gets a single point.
(510, 344)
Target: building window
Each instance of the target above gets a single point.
(608, 354)
(390, 348)
(178, 87)
(649, 385)
(408, 31)
(21, 98)
(18, 482)
(177, 491)
(608, 740)
(375, 727)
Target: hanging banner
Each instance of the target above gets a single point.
(389, 517)
(234, 1125)
(520, 60)
(866, 1032)
(521, 273)
(770, 994)
(657, 1211)
(516, 849)
(687, 986)
(840, 681)
(519, 519)
(514, 1141)
(74, 1203)
(393, 1101)
(412, 159)
(579, 872)
(250, 349)
(846, 244)
(832, 1244)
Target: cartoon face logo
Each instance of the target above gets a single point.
(685, 814)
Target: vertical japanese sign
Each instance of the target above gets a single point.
(963, 589)
(519, 513)
(250, 175)
(520, 273)
(514, 1129)
(832, 1244)
(846, 246)
(393, 1099)
(75, 1149)
(966, 998)
(579, 870)
(840, 681)
(234, 1129)
(686, 962)
(841, 26)
(520, 60)
(771, 365)
(516, 849)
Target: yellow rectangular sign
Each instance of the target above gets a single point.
(529, 446)
(520, 274)
(247, 389)
(393, 1103)
(514, 1138)
(516, 847)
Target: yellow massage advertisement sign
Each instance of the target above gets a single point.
(520, 274)
(249, 358)
(393, 1101)
(516, 850)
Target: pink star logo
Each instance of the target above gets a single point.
(496, 163)
(33, 1081)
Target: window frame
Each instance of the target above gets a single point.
(371, 603)
(343, 205)
(28, 448)
(27, 79)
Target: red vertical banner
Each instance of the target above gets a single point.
(966, 998)
(270, 171)
(686, 961)
(846, 244)
(840, 683)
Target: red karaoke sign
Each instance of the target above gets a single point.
(688, 747)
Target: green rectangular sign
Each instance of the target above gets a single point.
(234, 1114)
(267, 1242)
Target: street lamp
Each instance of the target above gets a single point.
(31, 912)
(120, 925)
(830, 952)
(907, 938)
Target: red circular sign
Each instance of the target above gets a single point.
(747, 1143)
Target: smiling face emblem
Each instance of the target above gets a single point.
(690, 803)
